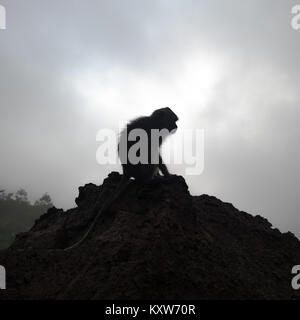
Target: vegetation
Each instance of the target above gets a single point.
(17, 214)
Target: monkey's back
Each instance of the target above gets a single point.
(139, 171)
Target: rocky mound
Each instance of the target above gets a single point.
(156, 242)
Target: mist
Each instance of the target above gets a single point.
(70, 68)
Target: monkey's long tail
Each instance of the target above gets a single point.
(120, 189)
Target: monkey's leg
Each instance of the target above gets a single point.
(162, 167)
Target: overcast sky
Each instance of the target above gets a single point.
(69, 68)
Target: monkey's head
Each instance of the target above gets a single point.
(165, 118)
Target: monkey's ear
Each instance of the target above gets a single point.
(159, 114)
(162, 113)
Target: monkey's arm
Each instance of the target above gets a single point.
(162, 167)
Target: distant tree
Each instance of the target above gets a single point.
(21, 195)
(5, 196)
(44, 201)
(17, 214)
(9, 196)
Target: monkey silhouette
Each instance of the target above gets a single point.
(162, 122)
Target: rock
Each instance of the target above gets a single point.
(156, 242)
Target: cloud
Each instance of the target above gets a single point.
(69, 68)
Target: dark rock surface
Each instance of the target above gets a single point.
(156, 242)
